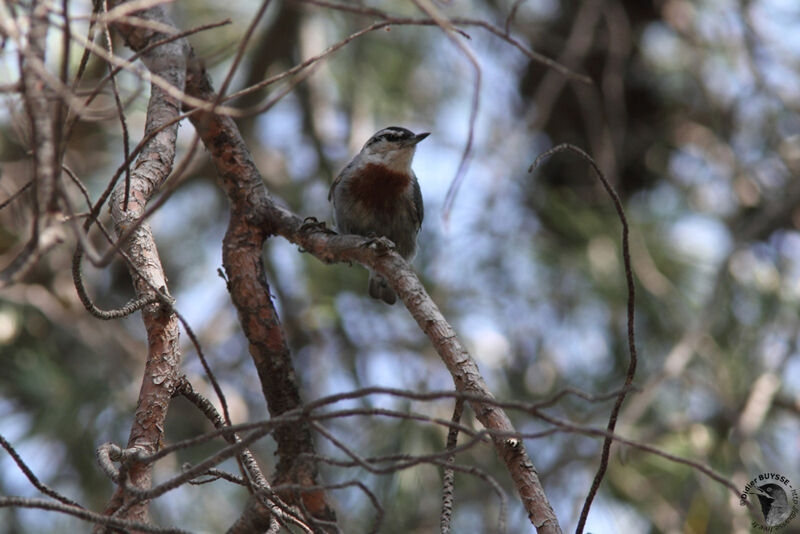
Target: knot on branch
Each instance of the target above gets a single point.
(166, 300)
(184, 387)
(108, 454)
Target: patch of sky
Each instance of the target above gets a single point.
(282, 129)
(777, 21)
(791, 375)
(392, 369)
(663, 201)
(748, 140)
(700, 404)
(288, 265)
(692, 165)
(580, 342)
(700, 238)
(771, 173)
(727, 77)
(609, 515)
(367, 328)
(718, 22)
(664, 48)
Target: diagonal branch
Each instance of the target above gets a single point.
(161, 374)
(462, 367)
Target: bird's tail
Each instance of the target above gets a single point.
(379, 289)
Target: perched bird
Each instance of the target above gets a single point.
(377, 195)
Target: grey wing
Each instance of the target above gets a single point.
(337, 180)
(420, 208)
(333, 186)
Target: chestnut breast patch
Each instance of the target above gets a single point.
(378, 188)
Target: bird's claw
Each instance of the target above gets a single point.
(380, 244)
(312, 224)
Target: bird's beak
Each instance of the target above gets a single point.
(420, 137)
(759, 491)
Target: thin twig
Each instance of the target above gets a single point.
(448, 478)
(120, 113)
(427, 7)
(511, 14)
(32, 477)
(631, 372)
(15, 195)
(86, 515)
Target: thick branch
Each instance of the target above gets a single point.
(241, 257)
(161, 374)
(242, 260)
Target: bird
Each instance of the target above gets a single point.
(378, 195)
(774, 504)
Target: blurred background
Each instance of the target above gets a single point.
(694, 117)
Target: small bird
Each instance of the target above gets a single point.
(377, 194)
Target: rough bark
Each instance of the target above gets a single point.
(162, 367)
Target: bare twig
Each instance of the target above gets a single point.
(311, 412)
(250, 293)
(459, 21)
(427, 7)
(161, 376)
(511, 14)
(256, 476)
(16, 194)
(30, 255)
(123, 123)
(448, 478)
(31, 58)
(86, 515)
(626, 256)
(32, 477)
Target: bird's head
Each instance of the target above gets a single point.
(393, 147)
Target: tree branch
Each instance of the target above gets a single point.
(241, 257)
(162, 368)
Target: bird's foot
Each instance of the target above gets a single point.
(312, 224)
(379, 243)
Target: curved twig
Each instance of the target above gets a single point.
(626, 257)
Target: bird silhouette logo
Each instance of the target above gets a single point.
(778, 500)
(774, 504)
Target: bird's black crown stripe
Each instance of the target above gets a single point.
(392, 133)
